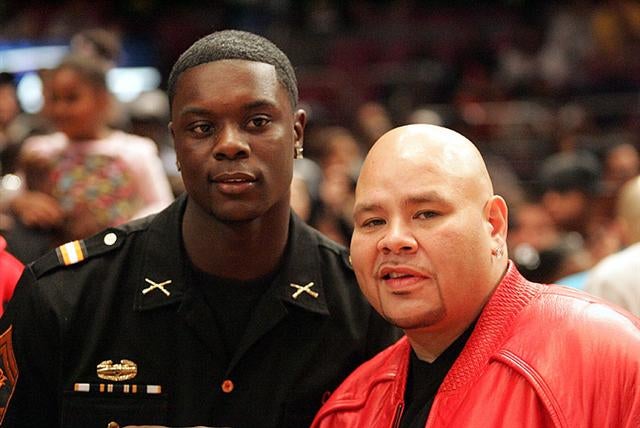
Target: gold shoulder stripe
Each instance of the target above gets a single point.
(71, 252)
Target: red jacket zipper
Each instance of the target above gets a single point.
(398, 416)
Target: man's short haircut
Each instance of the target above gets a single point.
(234, 44)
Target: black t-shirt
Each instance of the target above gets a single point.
(231, 302)
(424, 380)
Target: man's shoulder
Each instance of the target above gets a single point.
(566, 307)
(80, 252)
(328, 247)
(578, 322)
(564, 334)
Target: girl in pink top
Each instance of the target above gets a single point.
(86, 176)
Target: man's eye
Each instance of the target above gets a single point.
(259, 122)
(372, 222)
(201, 128)
(426, 214)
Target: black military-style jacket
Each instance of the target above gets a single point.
(108, 330)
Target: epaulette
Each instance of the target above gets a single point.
(333, 246)
(79, 251)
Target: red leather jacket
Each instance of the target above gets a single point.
(10, 271)
(540, 356)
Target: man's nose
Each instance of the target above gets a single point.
(399, 238)
(231, 144)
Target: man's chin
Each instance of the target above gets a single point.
(417, 321)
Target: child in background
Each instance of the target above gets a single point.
(86, 176)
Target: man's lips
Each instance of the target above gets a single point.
(234, 182)
(399, 278)
(233, 177)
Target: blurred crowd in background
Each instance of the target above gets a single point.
(548, 91)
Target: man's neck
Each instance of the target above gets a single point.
(429, 346)
(241, 251)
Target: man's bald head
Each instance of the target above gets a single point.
(436, 149)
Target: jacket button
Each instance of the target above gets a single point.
(113, 424)
(227, 386)
(110, 238)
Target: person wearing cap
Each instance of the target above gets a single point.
(224, 309)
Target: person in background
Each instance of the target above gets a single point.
(571, 191)
(371, 119)
(13, 126)
(569, 185)
(103, 47)
(224, 309)
(100, 45)
(337, 153)
(484, 347)
(148, 116)
(10, 271)
(620, 164)
(86, 176)
(615, 278)
(540, 251)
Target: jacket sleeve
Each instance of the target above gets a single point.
(30, 358)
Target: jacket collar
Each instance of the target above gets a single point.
(162, 260)
(512, 294)
(298, 282)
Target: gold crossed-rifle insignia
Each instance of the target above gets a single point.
(157, 285)
(304, 289)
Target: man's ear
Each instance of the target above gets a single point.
(299, 122)
(497, 215)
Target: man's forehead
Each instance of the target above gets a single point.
(211, 68)
(218, 79)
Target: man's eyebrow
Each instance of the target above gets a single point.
(428, 196)
(260, 103)
(360, 208)
(199, 111)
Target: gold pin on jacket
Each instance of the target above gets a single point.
(124, 370)
(157, 286)
(304, 289)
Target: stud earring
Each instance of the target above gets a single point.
(298, 152)
(178, 166)
(497, 252)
